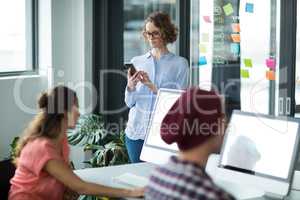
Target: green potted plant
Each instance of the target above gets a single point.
(13, 148)
(107, 148)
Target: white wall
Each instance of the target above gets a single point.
(72, 47)
(72, 53)
(14, 116)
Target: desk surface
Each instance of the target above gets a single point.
(105, 175)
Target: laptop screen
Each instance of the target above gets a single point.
(260, 144)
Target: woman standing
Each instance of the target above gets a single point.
(42, 154)
(158, 68)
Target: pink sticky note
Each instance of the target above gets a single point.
(207, 19)
(271, 63)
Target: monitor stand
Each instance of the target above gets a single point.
(266, 198)
(236, 190)
(296, 180)
(211, 168)
(239, 191)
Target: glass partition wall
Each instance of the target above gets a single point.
(297, 70)
(234, 49)
(135, 12)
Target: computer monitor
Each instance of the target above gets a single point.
(155, 150)
(260, 150)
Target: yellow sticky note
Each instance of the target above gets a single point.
(228, 9)
(248, 62)
(205, 37)
(236, 27)
(244, 73)
(236, 38)
(270, 75)
(202, 48)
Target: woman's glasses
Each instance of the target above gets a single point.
(154, 34)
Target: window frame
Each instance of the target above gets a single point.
(34, 48)
(287, 60)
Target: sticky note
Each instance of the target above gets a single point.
(205, 37)
(249, 7)
(202, 60)
(202, 48)
(248, 62)
(236, 27)
(236, 38)
(270, 75)
(271, 63)
(235, 48)
(244, 73)
(228, 9)
(207, 19)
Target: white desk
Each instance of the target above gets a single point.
(105, 175)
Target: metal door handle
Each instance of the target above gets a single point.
(280, 105)
(288, 106)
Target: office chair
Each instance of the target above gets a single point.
(7, 171)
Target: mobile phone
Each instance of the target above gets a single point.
(130, 66)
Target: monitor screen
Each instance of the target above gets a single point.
(260, 145)
(164, 101)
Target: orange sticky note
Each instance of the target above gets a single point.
(236, 27)
(270, 75)
(236, 37)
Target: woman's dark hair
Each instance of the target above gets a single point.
(48, 122)
(167, 29)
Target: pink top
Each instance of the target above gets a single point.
(30, 181)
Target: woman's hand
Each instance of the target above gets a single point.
(59, 170)
(137, 192)
(146, 81)
(132, 80)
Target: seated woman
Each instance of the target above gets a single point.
(196, 123)
(42, 156)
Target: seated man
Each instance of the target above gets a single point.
(196, 123)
